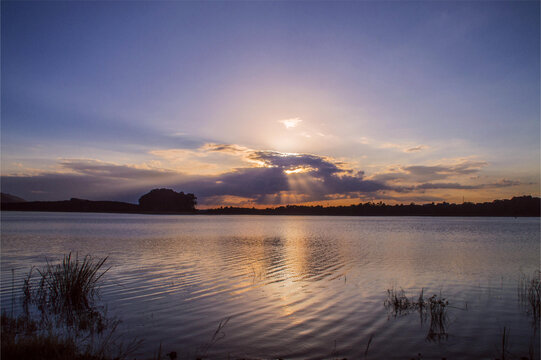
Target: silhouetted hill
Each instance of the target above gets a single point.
(157, 201)
(167, 200)
(8, 198)
(72, 205)
(517, 206)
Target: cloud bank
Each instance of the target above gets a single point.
(264, 177)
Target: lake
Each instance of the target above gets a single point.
(295, 287)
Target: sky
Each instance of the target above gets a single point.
(271, 103)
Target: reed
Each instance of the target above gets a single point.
(72, 284)
(437, 306)
(218, 335)
(61, 318)
(67, 291)
(529, 294)
(398, 302)
(505, 343)
(368, 345)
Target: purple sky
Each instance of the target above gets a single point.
(265, 103)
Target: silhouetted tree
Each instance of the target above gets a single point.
(167, 200)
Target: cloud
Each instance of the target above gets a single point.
(290, 123)
(95, 168)
(259, 177)
(208, 159)
(453, 175)
(407, 148)
(51, 186)
(266, 177)
(277, 177)
(463, 168)
(225, 148)
(415, 148)
(503, 183)
(246, 182)
(427, 173)
(90, 179)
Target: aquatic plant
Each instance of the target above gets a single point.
(67, 291)
(398, 302)
(72, 283)
(25, 338)
(218, 335)
(61, 317)
(529, 294)
(368, 345)
(504, 344)
(436, 307)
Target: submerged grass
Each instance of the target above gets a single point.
(529, 294)
(398, 302)
(435, 306)
(505, 343)
(217, 336)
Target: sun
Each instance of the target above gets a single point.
(290, 123)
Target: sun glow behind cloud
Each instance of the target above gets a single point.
(298, 170)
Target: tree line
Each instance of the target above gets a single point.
(517, 206)
(167, 201)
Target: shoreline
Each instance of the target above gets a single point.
(523, 206)
(270, 214)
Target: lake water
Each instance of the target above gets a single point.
(295, 287)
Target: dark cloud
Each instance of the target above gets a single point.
(245, 182)
(45, 187)
(89, 179)
(287, 161)
(464, 168)
(429, 186)
(503, 183)
(320, 178)
(456, 186)
(108, 170)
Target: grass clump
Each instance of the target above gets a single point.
(61, 318)
(67, 291)
(398, 302)
(435, 307)
(69, 285)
